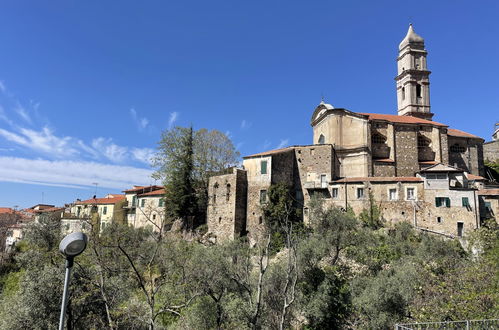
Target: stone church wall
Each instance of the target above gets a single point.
(491, 151)
(406, 150)
(470, 159)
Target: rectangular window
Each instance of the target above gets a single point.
(335, 192)
(488, 206)
(161, 202)
(442, 201)
(142, 203)
(466, 202)
(263, 167)
(439, 219)
(104, 210)
(360, 193)
(263, 196)
(323, 181)
(134, 200)
(410, 194)
(393, 194)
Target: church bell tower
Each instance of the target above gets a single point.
(413, 82)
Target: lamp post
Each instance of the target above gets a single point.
(71, 246)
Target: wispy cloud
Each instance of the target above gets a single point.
(143, 155)
(110, 150)
(173, 118)
(19, 109)
(245, 124)
(283, 143)
(239, 145)
(141, 122)
(3, 89)
(71, 173)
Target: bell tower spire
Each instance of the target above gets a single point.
(413, 82)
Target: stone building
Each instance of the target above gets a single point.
(491, 148)
(417, 170)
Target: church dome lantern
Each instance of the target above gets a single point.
(411, 38)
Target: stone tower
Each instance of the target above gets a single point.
(413, 83)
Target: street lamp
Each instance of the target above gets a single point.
(71, 246)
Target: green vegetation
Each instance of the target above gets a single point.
(337, 273)
(184, 162)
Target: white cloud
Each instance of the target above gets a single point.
(12, 137)
(45, 141)
(143, 155)
(2, 87)
(3, 116)
(23, 113)
(71, 173)
(245, 124)
(141, 122)
(172, 119)
(110, 150)
(283, 143)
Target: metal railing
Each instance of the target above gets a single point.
(450, 325)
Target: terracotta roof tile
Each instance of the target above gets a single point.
(458, 133)
(385, 160)
(380, 179)
(158, 192)
(50, 209)
(111, 200)
(400, 119)
(270, 152)
(475, 177)
(139, 188)
(6, 210)
(489, 192)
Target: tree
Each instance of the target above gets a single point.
(185, 161)
(175, 161)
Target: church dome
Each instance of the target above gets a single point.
(320, 109)
(411, 38)
(326, 105)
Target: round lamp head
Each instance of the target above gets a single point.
(73, 244)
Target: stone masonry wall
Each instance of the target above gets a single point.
(421, 212)
(226, 216)
(491, 151)
(471, 160)
(406, 150)
(384, 169)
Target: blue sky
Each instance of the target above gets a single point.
(88, 86)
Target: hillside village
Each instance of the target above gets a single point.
(414, 169)
(382, 221)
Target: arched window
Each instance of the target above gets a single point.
(418, 90)
(322, 139)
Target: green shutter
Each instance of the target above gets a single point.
(437, 202)
(263, 167)
(466, 201)
(447, 201)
